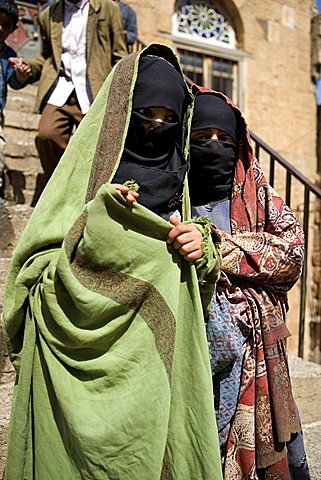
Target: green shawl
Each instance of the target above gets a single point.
(104, 324)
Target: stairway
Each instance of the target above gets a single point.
(24, 166)
(21, 125)
(22, 160)
(15, 221)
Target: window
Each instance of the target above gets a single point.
(206, 46)
(211, 72)
(223, 74)
(192, 65)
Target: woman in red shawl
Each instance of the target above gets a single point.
(262, 255)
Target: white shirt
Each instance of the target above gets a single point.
(73, 57)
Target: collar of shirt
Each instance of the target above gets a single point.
(75, 6)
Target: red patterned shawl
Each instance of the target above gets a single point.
(262, 260)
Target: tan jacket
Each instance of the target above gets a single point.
(105, 45)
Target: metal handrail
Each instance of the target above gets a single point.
(309, 187)
(288, 166)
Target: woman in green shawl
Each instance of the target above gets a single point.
(103, 314)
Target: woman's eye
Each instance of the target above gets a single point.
(202, 137)
(226, 138)
(146, 112)
(197, 136)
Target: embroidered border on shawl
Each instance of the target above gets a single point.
(166, 470)
(109, 142)
(126, 290)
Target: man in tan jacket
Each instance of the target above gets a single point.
(81, 41)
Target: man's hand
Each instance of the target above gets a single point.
(22, 68)
(187, 239)
(128, 194)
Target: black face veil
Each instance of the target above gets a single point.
(212, 162)
(153, 156)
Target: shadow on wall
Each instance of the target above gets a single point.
(14, 182)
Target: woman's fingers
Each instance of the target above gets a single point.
(128, 194)
(195, 255)
(178, 229)
(187, 239)
(186, 243)
(174, 220)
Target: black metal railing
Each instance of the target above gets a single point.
(309, 188)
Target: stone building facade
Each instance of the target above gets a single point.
(265, 56)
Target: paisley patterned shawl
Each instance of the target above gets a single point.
(262, 260)
(104, 323)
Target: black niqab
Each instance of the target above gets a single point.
(211, 111)
(153, 157)
(212, 161)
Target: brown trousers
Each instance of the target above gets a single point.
(55, 128)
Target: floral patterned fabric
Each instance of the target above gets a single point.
(262, 260)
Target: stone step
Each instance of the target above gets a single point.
(22, 187)
(27, 165)
(21, 178)
(7, 373)
(21, 146)
(21, 126)
(306, 384)
(6, 229)
(22, 174)
(24, 121)
(312, 442)
(20, 143)
(19, 215)
(16, 218)
(4, 266)
(22, 100)
(7, 376)
(5, 408)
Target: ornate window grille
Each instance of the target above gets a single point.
(202, 20)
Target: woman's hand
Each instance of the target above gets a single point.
(128, 194)
(187, 239)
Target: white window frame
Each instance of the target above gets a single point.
(214, 48)
(237, 56)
